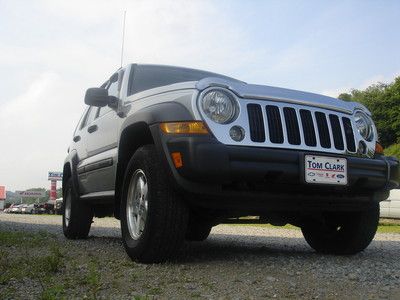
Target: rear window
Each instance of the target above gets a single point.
(145, 77)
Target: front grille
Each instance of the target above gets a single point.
(298, 127)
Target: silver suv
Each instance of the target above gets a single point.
(172, 152)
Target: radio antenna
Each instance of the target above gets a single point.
(123, 39)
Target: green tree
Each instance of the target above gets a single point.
(383, 100)
(345, 97)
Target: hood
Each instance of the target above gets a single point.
(260, 92)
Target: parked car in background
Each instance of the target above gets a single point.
(28, 209)
(16, 209)
(23, 207)
(58, 206)
(390, 208)
(49, 207)
(39, 208)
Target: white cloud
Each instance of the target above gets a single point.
(35, 129)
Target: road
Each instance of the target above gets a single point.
(235, 262)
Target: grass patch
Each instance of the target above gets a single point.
(16, 239)
(93, 279)
(384, 227)
(138, 297)
(53, 293)
(34, 256)
(388, 227)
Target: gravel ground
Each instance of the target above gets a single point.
(235, 262)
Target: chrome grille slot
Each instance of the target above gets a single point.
(292, 126)
(256, 123)
(336, 132)
(308, 128)
(348, 132)
(323, 130)
(274, 124)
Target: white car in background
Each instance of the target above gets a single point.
(390, 208)
(28, 209)
(16, 209)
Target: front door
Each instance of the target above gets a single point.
(102, 145)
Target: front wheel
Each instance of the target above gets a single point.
(153, 216)
(342, 233)
(77, 215)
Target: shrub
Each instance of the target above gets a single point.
(393, 150)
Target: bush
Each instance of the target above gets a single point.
(393, 150)
(383, 100)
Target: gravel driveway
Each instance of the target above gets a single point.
(235, 262)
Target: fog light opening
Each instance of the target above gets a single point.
(362, 147)
(237, 133)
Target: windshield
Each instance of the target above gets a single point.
(144, 77)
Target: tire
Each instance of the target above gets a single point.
(157, 235)
(77, 215)
(197, 231)
(342, 233)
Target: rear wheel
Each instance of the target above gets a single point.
(342, 233)
(77, 215)
(153, 216)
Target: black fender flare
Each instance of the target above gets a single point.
(142, 120)
(161, 112)
(154, 114)
(71, 160)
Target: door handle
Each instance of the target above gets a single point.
(92, 128)
(76, 138)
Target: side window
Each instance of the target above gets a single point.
(90, 116)
(113, 90)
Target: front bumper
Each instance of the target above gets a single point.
(273, 177)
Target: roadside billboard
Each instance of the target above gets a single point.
(2, 192)
(30, 194)
(55, 176)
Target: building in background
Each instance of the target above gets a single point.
(2, 196)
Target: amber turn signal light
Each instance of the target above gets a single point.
(177, 159)
(378, 148)
(195, 127)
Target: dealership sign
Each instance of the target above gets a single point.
(2, 192)
(55, 176)
(30, 194)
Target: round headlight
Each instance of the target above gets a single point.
(364, 125)
(220, 106)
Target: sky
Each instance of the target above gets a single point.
(52, 51)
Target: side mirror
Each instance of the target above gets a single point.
(97, 97)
